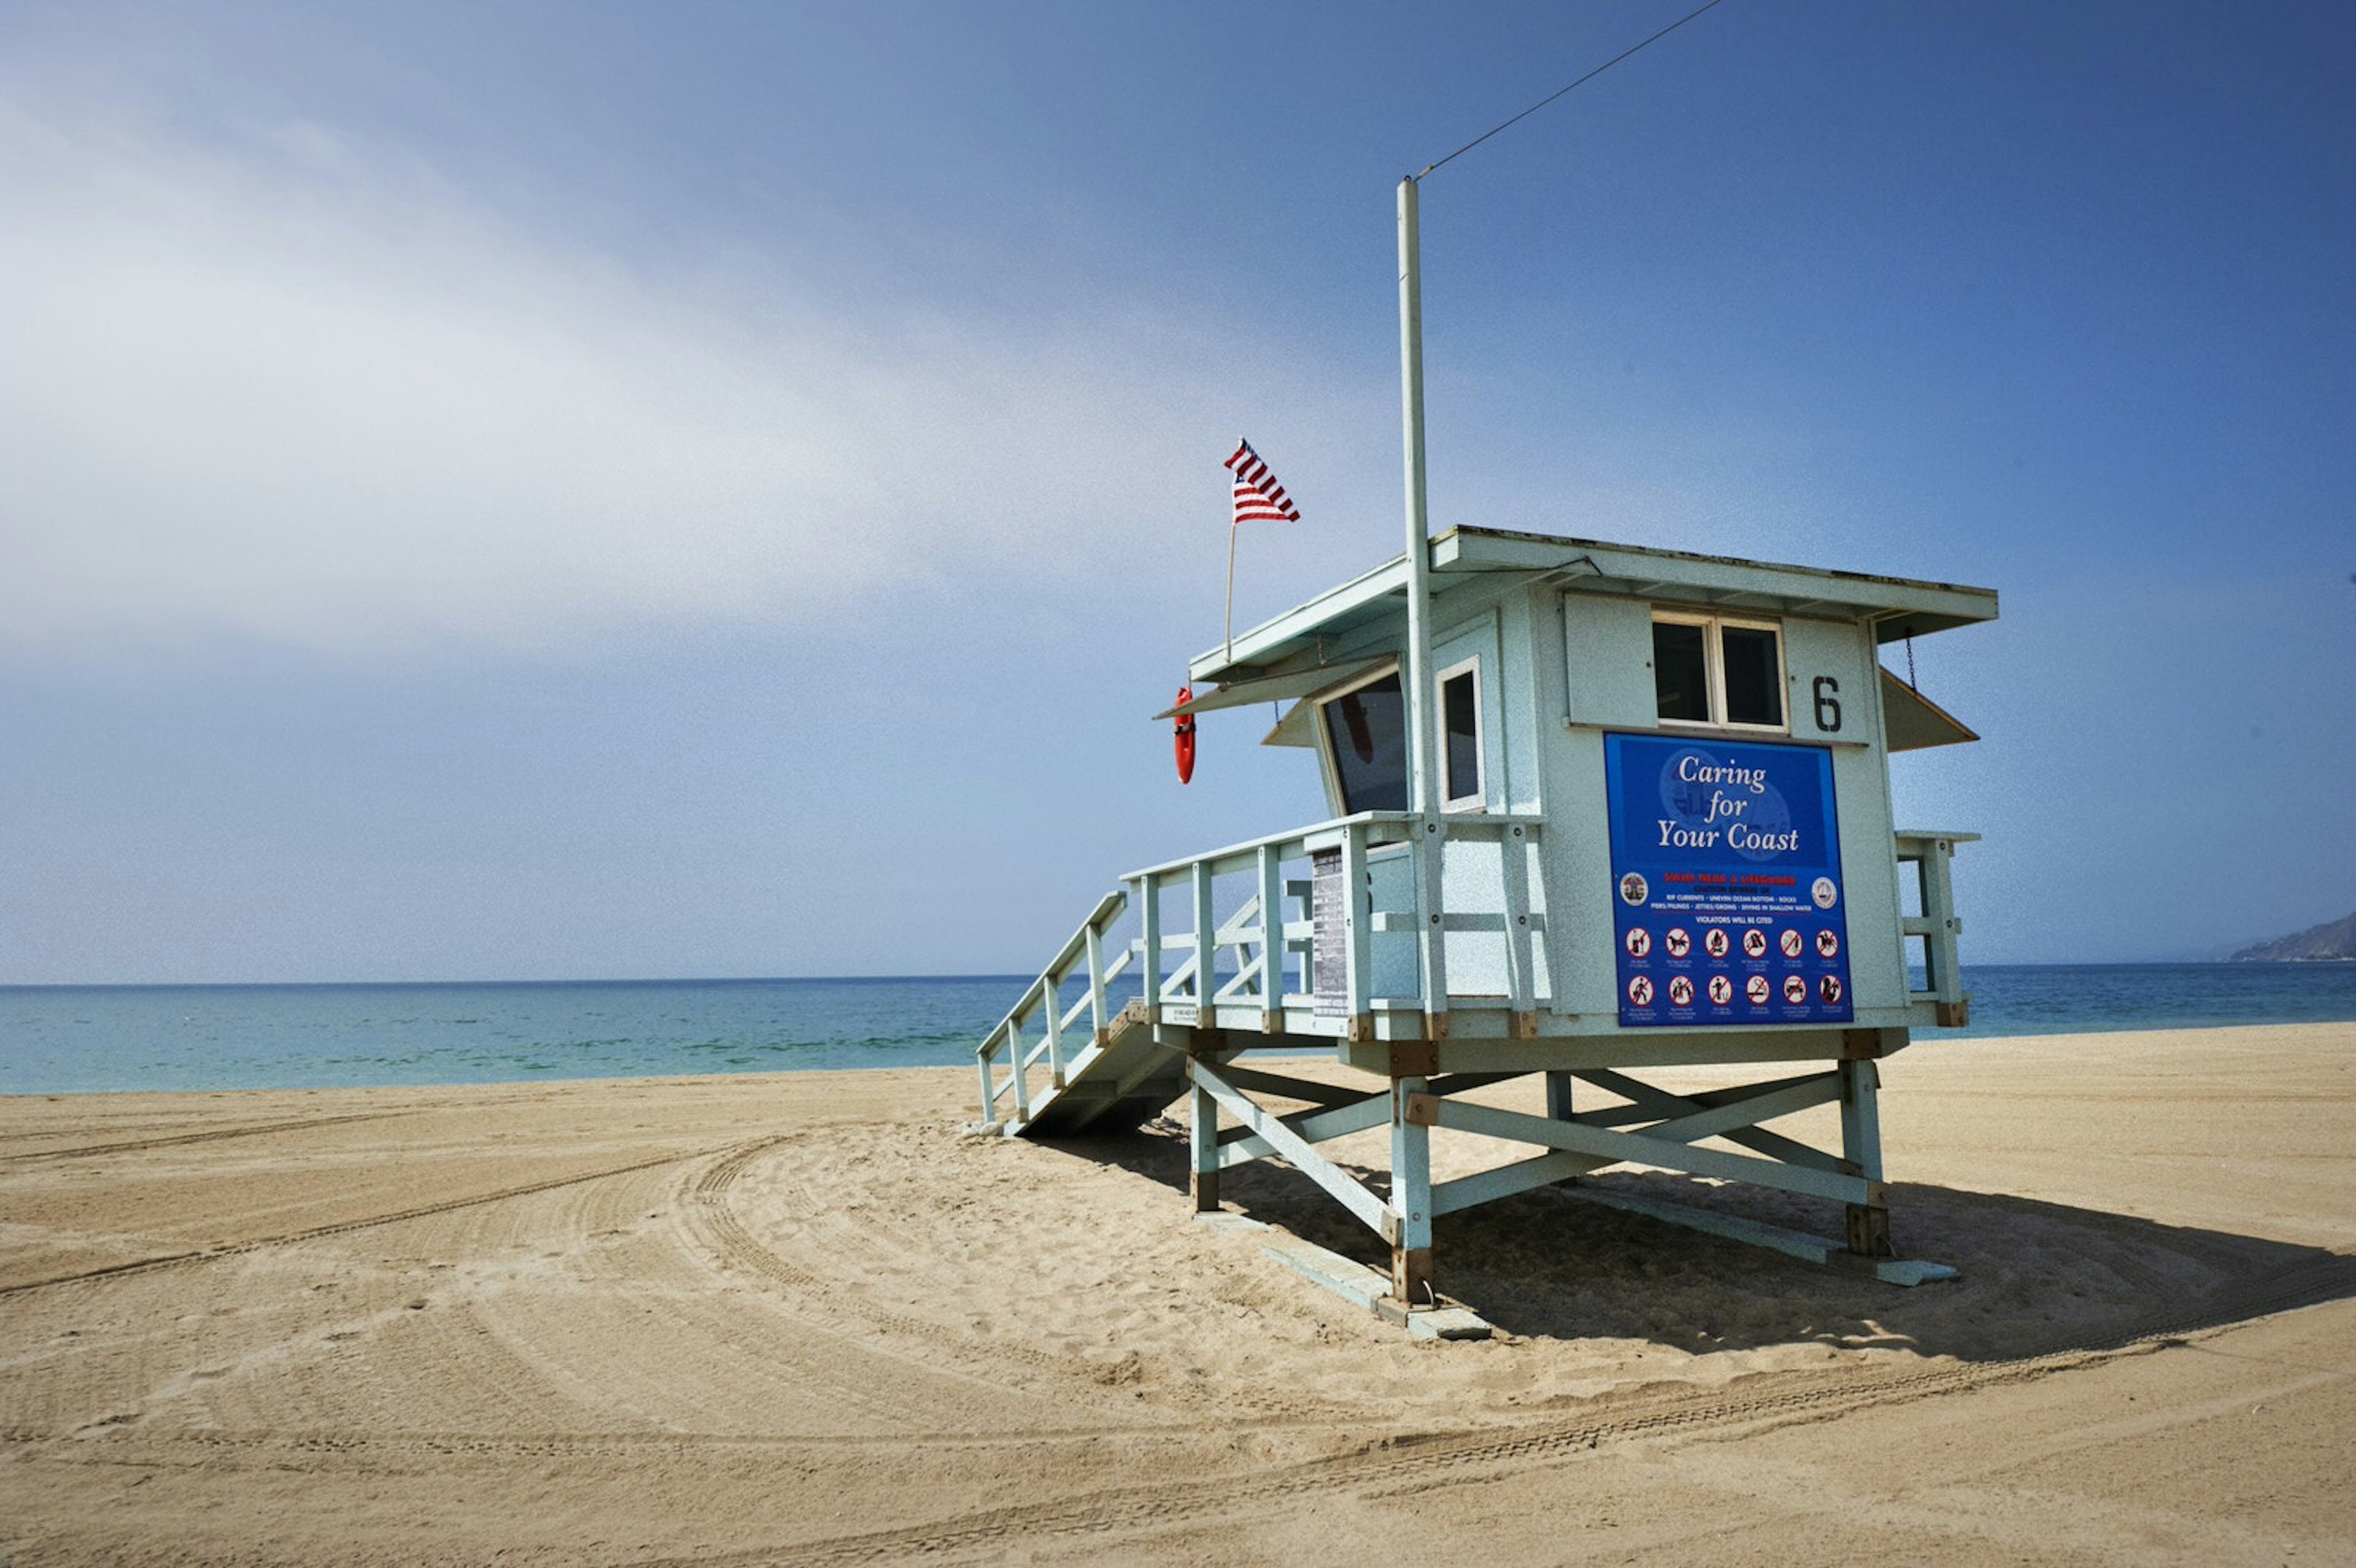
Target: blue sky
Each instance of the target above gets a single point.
(552, 491)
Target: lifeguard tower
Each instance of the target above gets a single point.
(1592, 808)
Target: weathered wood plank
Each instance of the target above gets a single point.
(1311, 1127)
(1506, 1180)
(1641, 1149)
(1343, 1188)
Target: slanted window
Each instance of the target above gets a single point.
(1460, 736)
(1681, 670)
(1708, 669)
(1751, 659)
(1366, 735)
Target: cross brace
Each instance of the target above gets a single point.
(1652, 1127)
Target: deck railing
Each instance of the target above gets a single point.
(1258, 967)
(1936, 926)
(1274, 979)
(1255, 967)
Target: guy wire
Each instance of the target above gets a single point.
(1590, 76)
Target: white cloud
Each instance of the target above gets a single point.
(307, 391)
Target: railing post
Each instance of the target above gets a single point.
(1052, 1000)
(1206, 946)
(988, 1089)
(1431, 937)
(1513, 849)
(1357, 926)
(1016, 1051)
(1271, 942)
(1149, 919)
(1939, 906)
(1096, 983)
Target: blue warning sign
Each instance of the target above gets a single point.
(1726, 885)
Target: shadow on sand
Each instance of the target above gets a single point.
(2036, 1277)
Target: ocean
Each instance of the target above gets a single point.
(78, 1039)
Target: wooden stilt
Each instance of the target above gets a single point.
(1558, 1097)
(1867, 1230)
(1408, 1218)
(1203, 1139)
(1867, 1224)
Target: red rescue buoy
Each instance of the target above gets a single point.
(1185, 737)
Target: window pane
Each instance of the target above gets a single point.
(1755, 684)
(1681, 671)
(1368, 732)
(1460, 719)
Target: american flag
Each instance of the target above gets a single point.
(1259, 497)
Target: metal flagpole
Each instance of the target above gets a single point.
(1407, 1217)
(1231, 588)
(1419, 613)
(1430, 827)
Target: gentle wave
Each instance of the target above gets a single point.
(64, 1040)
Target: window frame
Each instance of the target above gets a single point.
(1713, 670)
(1335, 798)
(1478, 800)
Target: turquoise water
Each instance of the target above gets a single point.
(67, 1039)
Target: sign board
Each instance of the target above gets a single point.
(1727, 899)
(1329, 914)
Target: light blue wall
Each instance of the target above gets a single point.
(1559, 669)
(1591, 668)
(1843, 652)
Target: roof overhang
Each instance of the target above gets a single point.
(1278, 688)
(1898, 606)
(1912, 723)
(1895, 607)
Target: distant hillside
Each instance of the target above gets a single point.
(2332, 940)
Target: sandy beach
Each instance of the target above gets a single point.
(803, 1318)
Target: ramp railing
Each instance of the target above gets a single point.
(1266, 935)
(1043, 1008)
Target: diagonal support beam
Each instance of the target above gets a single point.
(1339, 1184)
(1753, 1102)
(1242, 983)
(1303, 1089)
(1666, 1104)
(1661, 1103)
(1761, 1103)
(1240, 1146)
(1488, 1186)
(1647, 1149)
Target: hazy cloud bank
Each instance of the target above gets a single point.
(308, 391)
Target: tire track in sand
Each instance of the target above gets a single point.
(941, 1347)
(737, 1245)
(734, 1245)
(704, 1352)
(252, 1130)
(341, 1227)
(1403, 1464)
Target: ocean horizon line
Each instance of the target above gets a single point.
(305, 1034)
(1019, 976)
(603, 980)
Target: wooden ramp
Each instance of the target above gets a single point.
(1111, 1086)
(1103, 1071)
